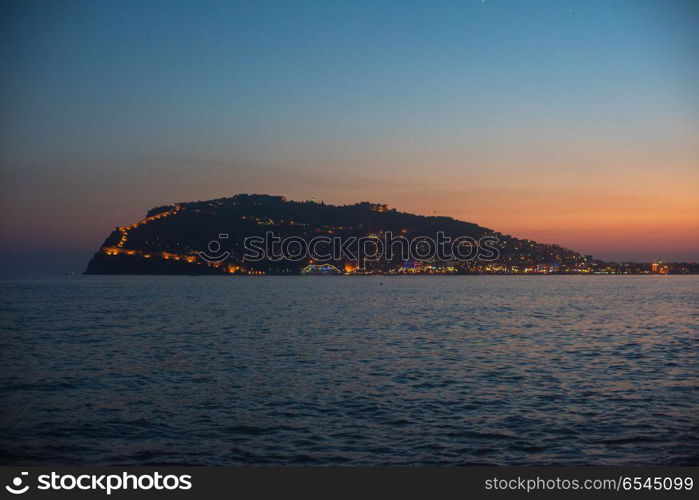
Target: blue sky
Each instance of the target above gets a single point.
(567, 121)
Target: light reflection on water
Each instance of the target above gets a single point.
(350, 370)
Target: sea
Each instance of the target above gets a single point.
(349, 370)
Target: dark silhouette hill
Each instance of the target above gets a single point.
(170, 238)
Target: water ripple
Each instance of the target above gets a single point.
(128, 370)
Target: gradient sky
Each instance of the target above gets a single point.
(575, 122)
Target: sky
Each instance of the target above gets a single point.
(570, 122)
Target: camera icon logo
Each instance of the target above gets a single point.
(215, 247)
(15, 488)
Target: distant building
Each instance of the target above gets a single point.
(378, 207)
(374, 207)
(658, 267)
(323, 269)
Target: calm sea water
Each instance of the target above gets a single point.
(129, 370)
